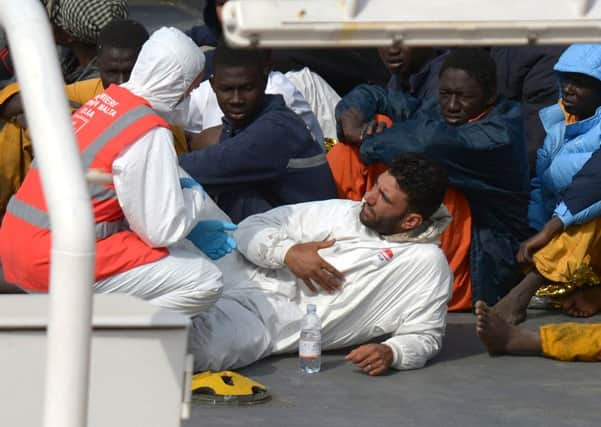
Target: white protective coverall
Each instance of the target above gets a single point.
(204, 111)
(398, 285)
(321, 97)
(147, 182)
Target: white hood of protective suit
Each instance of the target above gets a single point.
(166, 67)
(428, 232)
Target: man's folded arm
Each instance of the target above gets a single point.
(264, 239)
(372, 99)
(257, 154)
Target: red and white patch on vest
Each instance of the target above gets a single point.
(78, 121)
(385, 255)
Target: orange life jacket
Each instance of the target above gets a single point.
(104, 126)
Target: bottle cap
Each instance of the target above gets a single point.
(311, 308)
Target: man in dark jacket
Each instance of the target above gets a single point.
(525, 74)
(264, 156)
(479, 138)
(414, 70)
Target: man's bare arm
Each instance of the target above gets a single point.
(200, 141)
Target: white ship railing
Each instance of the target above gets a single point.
(302, 23)
(73, 241)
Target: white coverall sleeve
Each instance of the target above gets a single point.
(321, 97)
(278, 83)
(264, 239)
(147, 182)
(419, 336)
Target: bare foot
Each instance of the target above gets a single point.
(583, 302)
(501, 337)
(512, 307)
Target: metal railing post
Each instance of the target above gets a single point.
(66, 194)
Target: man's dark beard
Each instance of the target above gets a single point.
(384, 227)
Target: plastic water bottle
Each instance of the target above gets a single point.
(309, 347)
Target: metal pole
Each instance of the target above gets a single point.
(73, 240)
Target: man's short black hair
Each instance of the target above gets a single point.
(123, 34)
(477, 63)
(424, 181)
(225, 55)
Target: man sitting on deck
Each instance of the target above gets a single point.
(378, 271)
(478, 137)
(264, 156)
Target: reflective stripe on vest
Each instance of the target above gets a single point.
(41, 219)
(100, 193)
(308, 162)
(125, 121)
(89, 154)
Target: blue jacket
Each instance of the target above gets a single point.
(567, 149)
(486, 159)
(271, 162)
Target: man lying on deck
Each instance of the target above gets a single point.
(372, 269)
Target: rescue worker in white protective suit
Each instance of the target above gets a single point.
(379, 271)
(144, 205)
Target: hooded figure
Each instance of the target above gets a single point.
(167, 67)
(565, 253)
(143, 203)
(573, 132)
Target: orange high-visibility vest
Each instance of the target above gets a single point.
(104, 126)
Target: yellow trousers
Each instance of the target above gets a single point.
(16, 155)
(572, 259)
(572, 341)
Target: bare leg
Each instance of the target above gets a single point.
(512, 307)
(501, 337)
(584, 302)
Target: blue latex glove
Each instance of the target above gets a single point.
(186, 182)
(211, 238)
